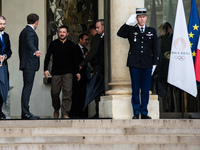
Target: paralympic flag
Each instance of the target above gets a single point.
(181, 68)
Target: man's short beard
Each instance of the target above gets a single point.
(62, 38)
(2, 30)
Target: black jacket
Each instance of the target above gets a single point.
(65, 59)
(143, 51)
(28, 45)
(100, 54)
(80, 59)
(91, 57)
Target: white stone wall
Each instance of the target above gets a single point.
(16, 12)
(101, 9)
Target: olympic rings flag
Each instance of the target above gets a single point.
(181, 67)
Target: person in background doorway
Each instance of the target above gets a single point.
(79, 87)
(91, 57)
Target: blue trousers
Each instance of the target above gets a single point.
(141, 80)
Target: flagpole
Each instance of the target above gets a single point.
(182, 100)
(185, 101)
(198, 109)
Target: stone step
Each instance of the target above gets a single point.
(100, 147)
(92, 123)
(99, 134)
(144, 139)
(162, 130)
(75, 131)
(134, 139)
(58, 131)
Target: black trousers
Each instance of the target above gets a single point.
(28, 78)
(78, 98)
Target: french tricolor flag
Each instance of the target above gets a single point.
(197, 62)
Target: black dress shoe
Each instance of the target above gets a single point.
(2, 116)
(95, 116)
(37, 117)
(28, 117)
(145, 117)
(136, 117)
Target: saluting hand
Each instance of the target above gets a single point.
(132, 19)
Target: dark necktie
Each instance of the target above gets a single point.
(2, 45)
(142, 29)
(84, 50)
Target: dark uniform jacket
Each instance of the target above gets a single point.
(165, 46)
(28, 45)
(143, 46)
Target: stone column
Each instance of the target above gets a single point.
(117, 102)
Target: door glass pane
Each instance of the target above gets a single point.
(77, 15)
(165, 11)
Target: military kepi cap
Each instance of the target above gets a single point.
(141, 11)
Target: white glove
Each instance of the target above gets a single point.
(153, 69)
(132, 19)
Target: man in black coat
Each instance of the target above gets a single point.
(100, 52)
(29, 62)
(91, 57)
(100, 60)
(79, 87)
(65, 63)
(141, 57)
(5, 53)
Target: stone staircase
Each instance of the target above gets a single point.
(99, 134)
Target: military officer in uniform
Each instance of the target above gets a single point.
(142, 56)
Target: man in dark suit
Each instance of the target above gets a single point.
(141, 57)
(100, 59)
(79, 87)
(5, 53)
(29, 62)
(100, 52)
(91, 57)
